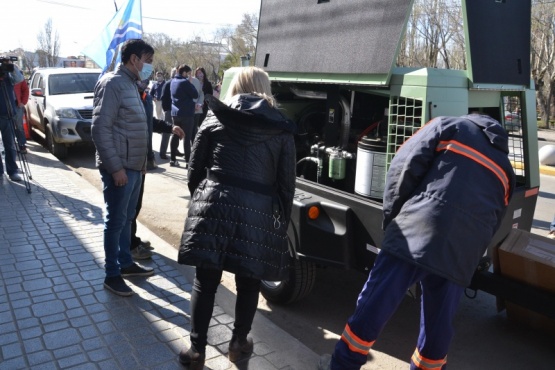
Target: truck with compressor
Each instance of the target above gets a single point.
(333, 72)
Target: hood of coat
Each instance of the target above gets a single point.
(495, 133)
(249, 113)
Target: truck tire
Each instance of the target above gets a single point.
(58, 150)
(300, 282)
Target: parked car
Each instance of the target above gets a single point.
(512, 121)
(60, 106)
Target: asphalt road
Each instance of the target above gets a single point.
(484, 338)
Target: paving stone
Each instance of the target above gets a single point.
(53, 307)
(72, 361)
(219, 334)
(11, 350)
(56, 326)
(12, 364)
(38, 284)
(67, 351)
(99, 354)
(5, 317)
(29, 265)
(61, 338)
(52, 318)
(33, 332)
(92, 343)
(42, 297)
(39, 357)
(27, 323)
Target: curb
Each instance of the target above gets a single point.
(544, 170)
(547, 170)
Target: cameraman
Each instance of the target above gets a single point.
(9, 76)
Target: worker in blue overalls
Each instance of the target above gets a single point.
(446, 192)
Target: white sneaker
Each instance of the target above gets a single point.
(551, 234)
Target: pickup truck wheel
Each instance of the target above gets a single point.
(298, 285)
(59, 150)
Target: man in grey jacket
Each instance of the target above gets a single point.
(120, 134)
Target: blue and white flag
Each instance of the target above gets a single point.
(125, 25)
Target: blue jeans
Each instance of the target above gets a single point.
(120, 203)
(20, 132)
(7, 130)
(552, 226)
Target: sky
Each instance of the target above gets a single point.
(78, 21)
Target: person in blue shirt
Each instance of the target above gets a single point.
(156, 94)
(183, 95)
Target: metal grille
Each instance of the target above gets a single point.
(512, 122)
(85, 113)
(405, 118)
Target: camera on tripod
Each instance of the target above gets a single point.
(6, 64)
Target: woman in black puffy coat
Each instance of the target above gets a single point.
(242, 180)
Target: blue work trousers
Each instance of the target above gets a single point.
(120, 203)
(384, 290)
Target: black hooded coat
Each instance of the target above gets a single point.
(240, 211)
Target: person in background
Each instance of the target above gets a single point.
(8, 107)
(242, 181)
(147, 103)
(199, 103)
(446, 191)
(141, 249)
(217, 89)
(166, 103)
(21, 90)
(184, 96)
(551, 233)
(156, 93)
(207, 89)
(120, 134)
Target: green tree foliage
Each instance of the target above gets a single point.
(223, 51)
(543, 56)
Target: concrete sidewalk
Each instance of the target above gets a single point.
(55, 313)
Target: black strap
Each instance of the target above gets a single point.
(238, 182)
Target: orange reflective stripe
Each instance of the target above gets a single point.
(354, 343)
(469, 152)
(425, 363)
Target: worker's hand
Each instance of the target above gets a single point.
(176, 130)
(120, 177)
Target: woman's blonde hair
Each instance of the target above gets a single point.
(252, 80)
